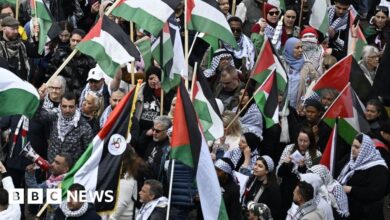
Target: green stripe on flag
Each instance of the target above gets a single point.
(222, 215)
(168, 83)
(98, 53)
(144, 47)
(184, 153)
(27, 103)
(69, 177)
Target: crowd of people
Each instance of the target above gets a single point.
(264, 172)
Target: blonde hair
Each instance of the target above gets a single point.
(97, 102)
(235, 128)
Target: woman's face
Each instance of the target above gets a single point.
(64, 36)
(380, 19)
(88, 105)
(259, 169)
(224, 6)
(303, 142)
(154, 81)
(173, 105)
(371, 112)
(297, 53)
(373, 60)
(273, 15)
(242, 144)
(289, 18)
(245, 98)
(355, 149)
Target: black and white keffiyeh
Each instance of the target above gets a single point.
(245, 49)
(368, 157)
(64, 125)
(339, 23)
(334, 192)
(218, 54)
(73, 214)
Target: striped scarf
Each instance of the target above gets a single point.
(339, 23)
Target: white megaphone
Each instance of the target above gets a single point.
(29, 153)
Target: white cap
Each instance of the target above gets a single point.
(95, 73)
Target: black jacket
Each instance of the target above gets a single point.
(90, 214)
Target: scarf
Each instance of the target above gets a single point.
(54, 181)
(237, 157)
(332, 190)
(64, 125)
(339, 23)
(245, 49)
(306, 208)
(147, 209)
(218, 54)
(73, 214)
(368, 157)
(312, 52)
(294, 63)
(16, 50)
(307, 158)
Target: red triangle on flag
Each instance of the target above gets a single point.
(343, 105)
(267, 86)
(190, 7)
(265, 59)
(336, 77)
(327, 158)
(95, 31)
(180, 134)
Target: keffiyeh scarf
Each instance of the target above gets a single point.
(64, 125)
(105, 115)
(333, 192)
(339, 23)
(368, 157)
(73, 214)
(147, 209)
(245, 49)
(220, 53)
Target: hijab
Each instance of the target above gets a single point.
(294, 63)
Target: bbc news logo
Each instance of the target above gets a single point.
(54, 196)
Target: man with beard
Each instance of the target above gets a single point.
(70, 133)
(158, 145)
(221, 59)
(14, 50)
(244, 55)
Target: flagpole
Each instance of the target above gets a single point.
(170, 189)
(162, 102)
(334, 101)
(35, 21)
(74, 52)
(17, 10)
(246, 105)
(133, 62)
(186, 38)
(193, 43)
(133, 105)
(301, 14)
(193, 80)
(234, 7)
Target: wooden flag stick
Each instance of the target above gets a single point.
(186, 38)
(193, 80)
(17, 10)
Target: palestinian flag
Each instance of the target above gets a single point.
(350, 111)
(214, 45)
(266, 62)
(98, 168)
(17, 97)
(47, 29)
(319, 16)
(205, 16)
(207, 109)
(145, 48)
(150, 15)
(189, 146)
(360, 42)
(266, 98)
(328, 157)
(338, 76)
(278, 3)
(167, 50)
(108, 44)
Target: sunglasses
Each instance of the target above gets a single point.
(238, 30)
(274, 13)
(157, 130)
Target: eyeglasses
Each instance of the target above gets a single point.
(238, 30)
(382, 8)
(274, 13)
(158, 130)
(54, 88)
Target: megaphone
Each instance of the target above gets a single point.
(29, 153)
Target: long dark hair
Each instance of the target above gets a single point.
(271, 177)
(312, 146)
